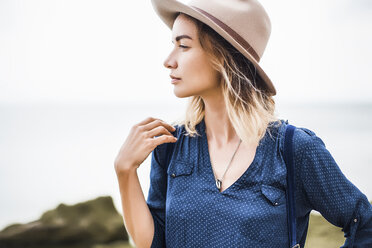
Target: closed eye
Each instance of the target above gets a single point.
(183, 46)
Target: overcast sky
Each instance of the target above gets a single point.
(112, 51)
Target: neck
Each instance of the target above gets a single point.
(219, 128)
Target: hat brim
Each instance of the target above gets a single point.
(168, 10)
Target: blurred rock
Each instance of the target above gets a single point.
(118, 244)
(91, 222)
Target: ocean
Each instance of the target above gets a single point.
(52, 154)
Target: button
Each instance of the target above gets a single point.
(355, 220)
(173, 175)
(276, 204)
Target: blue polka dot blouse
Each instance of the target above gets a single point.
(189, 211)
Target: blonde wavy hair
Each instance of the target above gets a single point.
(249, 108)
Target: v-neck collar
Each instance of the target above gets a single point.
(209, 175)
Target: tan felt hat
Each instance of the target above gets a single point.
(243, 23)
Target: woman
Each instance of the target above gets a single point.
(218, 179)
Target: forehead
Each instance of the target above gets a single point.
(184, 26)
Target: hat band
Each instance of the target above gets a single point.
(232, 33)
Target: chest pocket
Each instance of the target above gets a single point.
(179, 168)
(274, 195)
(179, 181)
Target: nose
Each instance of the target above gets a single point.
(170, 62)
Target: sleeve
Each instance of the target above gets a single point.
(158, 190)
(329, 192)
(156, 199)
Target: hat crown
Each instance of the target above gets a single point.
(247, 18)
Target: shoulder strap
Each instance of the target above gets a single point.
(291, 208)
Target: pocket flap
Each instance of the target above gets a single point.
(275, 195)
(179, 168)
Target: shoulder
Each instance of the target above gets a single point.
(309, 148)
(164, 151)
(305, 140)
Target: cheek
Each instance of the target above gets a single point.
(201, 73)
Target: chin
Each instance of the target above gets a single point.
(181, 94)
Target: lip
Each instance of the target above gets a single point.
(174, 79)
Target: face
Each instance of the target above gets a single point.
(189, 62)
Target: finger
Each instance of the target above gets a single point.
(146, 121)
(164, 139)
(158, 131)
(158, 122)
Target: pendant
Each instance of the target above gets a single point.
(218, 183)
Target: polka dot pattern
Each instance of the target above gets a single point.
(189, 210)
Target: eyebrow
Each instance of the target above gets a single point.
(184, 36)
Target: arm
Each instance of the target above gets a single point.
(144, 137)
(329, 192)
(137, 217)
